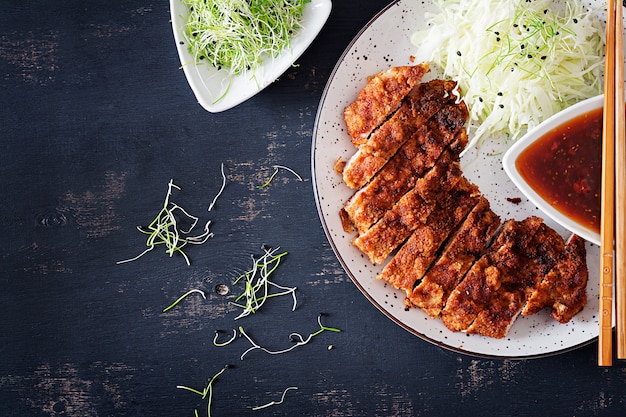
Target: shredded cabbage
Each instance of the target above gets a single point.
(517, 61)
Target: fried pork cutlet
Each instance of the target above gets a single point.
(417, 254)
(483, 280)
(540, 256)
(381, 96)
(425, 100)
(411, 210)
(461, 251)
(451, 260)
(400, 174)
(516, 270)
(563, 289)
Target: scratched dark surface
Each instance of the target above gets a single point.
(96, 118)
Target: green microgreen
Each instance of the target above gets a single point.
(238, 35)
(207, 391)
(166, 229)
(276, 169)
(257, 285)
(228, 342)
(295, 337)
(221, 190)
(182, 297)
(282, 399)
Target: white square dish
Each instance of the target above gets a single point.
(209, 84)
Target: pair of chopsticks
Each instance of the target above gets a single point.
(613, 198)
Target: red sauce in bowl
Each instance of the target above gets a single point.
(564, 167)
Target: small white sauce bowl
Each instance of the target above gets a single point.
(511, 156)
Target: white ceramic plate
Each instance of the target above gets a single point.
(208, 84)
(382, 43)
(508, 161)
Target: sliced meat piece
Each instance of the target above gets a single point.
(421, 249)
(542, 254)
(465, 246)
(411, 210)
(485, 277)
(425, 100)
(381, 96)
(563, 289)
(496, 320)
(370, 203)
(537, 259)
(400, 174)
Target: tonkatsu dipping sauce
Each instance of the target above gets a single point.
(564, 167)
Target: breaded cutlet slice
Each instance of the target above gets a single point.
(424, 101)
(537, 259)
(411, 211)
(414, 258)
(381, 96)
(563, 289)
(400, 174)
(461, 251)
(481, 283)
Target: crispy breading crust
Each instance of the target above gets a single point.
(462, 250)
(563, 289)
(415, 257)
(379, 98)
(424, 101)
(411, 211)
(485, 278)
(402, 171)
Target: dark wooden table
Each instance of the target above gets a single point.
(96, 118)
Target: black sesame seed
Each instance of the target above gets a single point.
(501, 106)
(575, 20)
(500, 93)
(458, 53)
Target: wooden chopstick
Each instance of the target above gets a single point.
(607, 202)
(620, 187)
